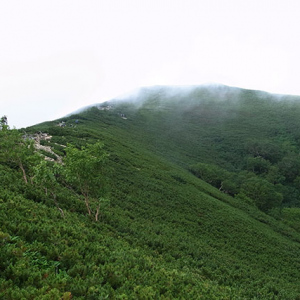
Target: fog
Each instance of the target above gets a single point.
(59, 56)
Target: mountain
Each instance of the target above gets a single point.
(199, 200)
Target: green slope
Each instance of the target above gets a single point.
(237, 130)
(167, 234)
(209, 123)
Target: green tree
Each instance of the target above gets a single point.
(228, 186)
(290, 166)
(212, 174)
(274, 176)
(265, 149)
(258, 165)
(262, 192)
(84, 172)
(16, 151)
(3, 123)
(46, 176)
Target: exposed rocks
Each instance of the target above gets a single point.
(38, 137)
(107, 107)
(123, 116)
(48, 149)
(62, 124)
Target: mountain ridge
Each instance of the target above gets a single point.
(175, 89)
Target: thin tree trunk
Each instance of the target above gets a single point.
(61, 211)
(56, 204)
(97, 213)
(86, 200)
(23, 171)
(221, 187)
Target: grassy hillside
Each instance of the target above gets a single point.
(237, 130)
(166, 234)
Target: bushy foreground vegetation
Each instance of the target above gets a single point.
(125, 217)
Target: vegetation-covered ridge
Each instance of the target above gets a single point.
(115, 211)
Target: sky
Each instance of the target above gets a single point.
(57, 56)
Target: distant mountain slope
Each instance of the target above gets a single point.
(235, 129)
(167, 234)
(197, 121)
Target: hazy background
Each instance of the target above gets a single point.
(57, 56)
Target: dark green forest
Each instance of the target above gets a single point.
(173, 193)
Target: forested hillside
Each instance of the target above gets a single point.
(174, 193)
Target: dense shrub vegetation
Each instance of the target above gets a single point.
(174, 195)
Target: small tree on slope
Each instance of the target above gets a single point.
(16, 151)
(84, 172)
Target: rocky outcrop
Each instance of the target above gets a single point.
(38, 137)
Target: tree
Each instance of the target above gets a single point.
(84, 172)
(265, 149)
(289, 166)
(3, 122)
(45, 175)
(258, 165)
(228, 186)
(262, 192)
(274, 176)
(212, 174)
(16, 151)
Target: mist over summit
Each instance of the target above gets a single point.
(185, 95)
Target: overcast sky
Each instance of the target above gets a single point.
(59, 55)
